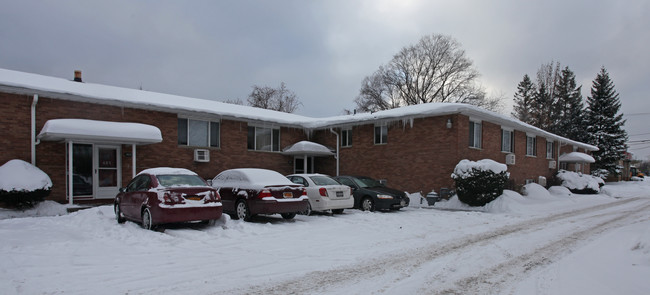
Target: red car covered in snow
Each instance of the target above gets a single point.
(167, 195)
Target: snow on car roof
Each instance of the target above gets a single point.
(251, 176)
(167, 171)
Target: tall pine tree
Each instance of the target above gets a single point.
(605, 125)
(569, 107)
(523, 100)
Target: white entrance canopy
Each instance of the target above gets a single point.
(577, 157)
(93, 131)
(307, 148)
(99, 131)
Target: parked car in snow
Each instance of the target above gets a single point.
(370, 195)
(324, 193)
(167, 195)
(246, 192)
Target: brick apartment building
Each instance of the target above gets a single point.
(413, 148)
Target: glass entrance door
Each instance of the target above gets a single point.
(107, 171)
(299, 165)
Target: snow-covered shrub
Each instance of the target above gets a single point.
(23, 185)
(478, 183)
(535, 190)
(579, 183)
(600, 173)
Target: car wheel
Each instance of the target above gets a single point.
(118, 214)
(288, 216)
(337, 211)
(367, 204)
(241, 211)
(147, 220)
(308, 211)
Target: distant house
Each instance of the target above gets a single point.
(94, 138)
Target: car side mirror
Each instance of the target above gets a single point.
(122, 190)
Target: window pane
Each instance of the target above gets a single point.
(251, 138)
(477, 135)
(471, 134)
(182, 131)
(276, 140)
(214, 134)
(198, 133)
(381, 134)
(262, 139)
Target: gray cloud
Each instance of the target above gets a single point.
(322, 50)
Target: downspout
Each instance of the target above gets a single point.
(337, 150)
(34, 141)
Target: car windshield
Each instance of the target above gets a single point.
(180, 180)
(366, 182)
(323, 180)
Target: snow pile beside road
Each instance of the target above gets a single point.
(45, 208)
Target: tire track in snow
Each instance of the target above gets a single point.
(402, 266)
(494, 279)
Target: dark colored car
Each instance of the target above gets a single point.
(246, 192)
(370, 194)
(167, 195)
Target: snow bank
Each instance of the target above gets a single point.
(465, 167)
(19, 175)
(560, 191)
(536, 191)
(45, 208)
(579, 181)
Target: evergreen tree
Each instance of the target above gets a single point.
(542, 103)
(524, 100)
(605, 125)
(569, 107)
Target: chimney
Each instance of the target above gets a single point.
(77, 76)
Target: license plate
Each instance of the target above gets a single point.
(287, 195)
(339, 194)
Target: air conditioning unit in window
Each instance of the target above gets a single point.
(201, 155)
(552, 164)
(510, 159)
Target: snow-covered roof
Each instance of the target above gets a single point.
(99, 131)
(577, 157)
(26, 83)
(307, 148)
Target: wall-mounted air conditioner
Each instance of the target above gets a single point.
(552, 164)
(541, 181)
(510, 159)
(201, 155)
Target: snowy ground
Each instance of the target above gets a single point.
(536, 244)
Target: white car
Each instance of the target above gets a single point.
(324, 193)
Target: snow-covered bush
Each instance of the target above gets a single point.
(579, 183)
(23, 185)
(600, 173)
(535, 190)
(478, 183)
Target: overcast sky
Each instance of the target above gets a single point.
(322, 50)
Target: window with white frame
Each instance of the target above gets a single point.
(531, 145)
(507, 141)
(549, 149)
(199, 133)
(475, 134)
(381, 134)
(263, 139)
(346, 137)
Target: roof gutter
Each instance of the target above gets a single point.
(337, 150)
(34, 141)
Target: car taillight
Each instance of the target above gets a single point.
(217, 197)
(351, 191)
(304, 191)
(323, 191)
(171, 199)
(264, 193)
